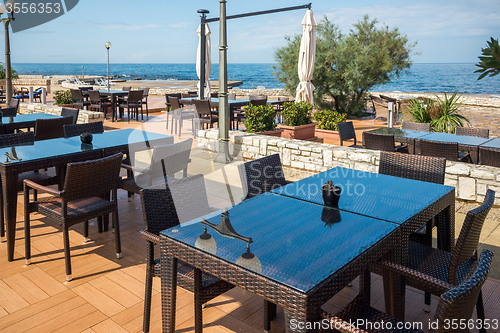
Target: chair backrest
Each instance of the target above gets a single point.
(92, 178)
(126, 88)
(231, 96)
(214, 94)
(170, 159)
(9, 112)
(76, 94)
(423, 127)
(46, 129)
(346, 132)
(167, 97)
(85, 88)
(77, 129)
(134, 96)
(489, 156)
(167, 205)
(14, 103)
(261, 175)
(202, 107)
(468, 240)
(17, 139)
(377, 141)
(472, 131)
(388, 99)
(70, 112)
(95, 96)
(258, 102)
(174, 103)
(459, 302)
(145, 92)
(448, 150)
(257, 97)
(425, 168)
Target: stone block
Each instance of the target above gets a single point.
(247, 140)
(481, 174)
(360, 157)
(458, 169)
(263, 147)
(340, 153)
(466, 188)
(296, 164)
(481, 188)
(212, 135)
(285, 158)
(305, 153)
(292, 146)
(305, 146)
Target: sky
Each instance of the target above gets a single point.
(154, 31)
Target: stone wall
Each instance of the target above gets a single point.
(484, 101)
(84, 116)
(303, 158)
(28, 82)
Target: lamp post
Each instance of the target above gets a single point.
(108, 45)
(83, 72)
(9, 7)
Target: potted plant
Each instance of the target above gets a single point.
(298, 121)
(327, 124)
(260, 119)
(63, 98)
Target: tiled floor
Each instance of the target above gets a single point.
(106, 294)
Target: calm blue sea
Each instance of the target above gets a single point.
(435, 78)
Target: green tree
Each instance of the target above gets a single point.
(490, 61)
(12, 71)
(347, 66)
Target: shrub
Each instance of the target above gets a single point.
(296, 114)
(63, 97)
(328, 119)
(450, 116)
(259, 118)
(419, 111)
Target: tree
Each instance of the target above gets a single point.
(12, 71)
(490, 61)
(347, 66)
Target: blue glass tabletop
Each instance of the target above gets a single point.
(399, 133)
(380, 196)
(292, 242)
(105, 91)
(20, 118)
(460, 139)
(492, 143)
(127, 137)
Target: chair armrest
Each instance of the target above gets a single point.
(132, 168)
(438, 285)
(150, 237)
(41, 188)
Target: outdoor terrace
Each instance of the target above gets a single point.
(106, 294)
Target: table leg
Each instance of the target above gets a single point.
(113, 109)
(168, 288)
(9, 188)
(474, 155)
(446, 228)
(297, 321)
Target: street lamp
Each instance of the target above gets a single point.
(83, 72)
(10, 5)
(108, 45)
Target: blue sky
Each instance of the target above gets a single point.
(155, 31)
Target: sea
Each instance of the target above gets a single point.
(431, 78)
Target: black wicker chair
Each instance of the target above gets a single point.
(70, 112)
(162, 206)
(9, 112)
(489, 156)
(261, 175)
(471, 131)
(12, 141)
(133, 104)
(346, 132)
(205, 114)
(448, 150)
(77, 129)
(382, 142)
(433, 270)
(422, 127)
(457, 303)
(51, 128)
(82, 198)
(80, 103)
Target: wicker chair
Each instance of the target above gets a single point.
(12, 141)
(382, 142)
(162, 206)
(81, 199)
(261, 175)
(346, 132)
(80, 103)
(489, 156)
(471, 131)
(99, 103)
(179, 114)
(52, 128)
(448, 150)
(167, 103)
(77, 129)
(132, 104)
(9, 112)
(433, 270)
(455, 304)
(422, 127)
(145, 94)
(70, 112)
(165, 162)
(14, 103)
(205, 114)
(380, 107)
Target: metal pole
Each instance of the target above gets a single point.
(224, 120)
(8, 73)
(108, 69)
(308, 6)
(203, 51)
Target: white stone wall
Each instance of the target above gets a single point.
(470, 180)
(84, 116)
(464, 99)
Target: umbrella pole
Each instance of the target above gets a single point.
(223, 156)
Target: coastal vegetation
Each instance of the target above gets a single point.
(12, 71)
(328, 119)
(443, 113)
(489, 62)
(347, 65)
(63, 97)
(297, 114)
(259, 118)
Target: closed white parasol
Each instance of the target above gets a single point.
(208, 61)
(306, 58)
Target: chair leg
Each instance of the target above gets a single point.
(198, 314)
(2, 221)
(149, 287)
(117, 235)
(269, 314)
(480, 310)
(67, 257)
(427, 305)
(27, 235)
(85, 231)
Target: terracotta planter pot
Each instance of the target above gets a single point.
(65, 105)
(302, 132)
(327, 134)
(277, 133)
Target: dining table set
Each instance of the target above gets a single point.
(294, 249)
